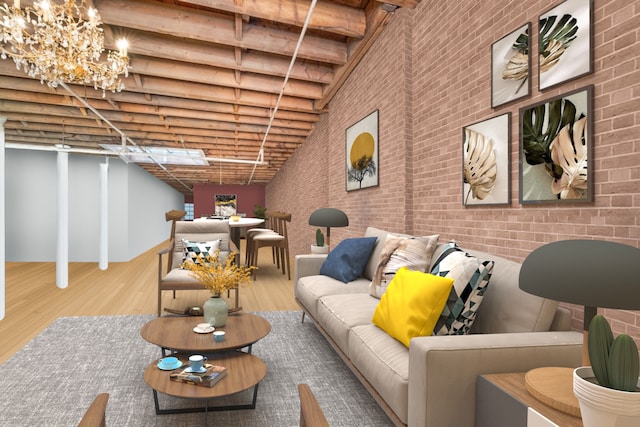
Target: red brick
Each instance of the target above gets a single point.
(428, 83)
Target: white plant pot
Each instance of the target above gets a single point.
(602, 406)
(315, 249)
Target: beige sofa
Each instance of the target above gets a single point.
(433, 383)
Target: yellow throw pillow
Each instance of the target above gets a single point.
(412, 304)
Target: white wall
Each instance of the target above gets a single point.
(137, 203)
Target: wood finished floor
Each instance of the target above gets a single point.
(33, 301)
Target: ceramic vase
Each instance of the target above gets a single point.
(215, 311)
(602, 406)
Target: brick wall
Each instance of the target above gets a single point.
(429, 75)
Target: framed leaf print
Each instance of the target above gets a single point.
(564, 43)
(555, 149)
(362, 153)
(511, 67)
(485, 162)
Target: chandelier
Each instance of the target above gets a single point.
(61, 43)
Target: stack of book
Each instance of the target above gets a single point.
(209, 378)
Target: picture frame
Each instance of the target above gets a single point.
(225, 205)
(361, 153)
(555, 159)
(568, 56)
(511, 66)
(486, 165)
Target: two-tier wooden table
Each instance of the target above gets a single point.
(175, 335)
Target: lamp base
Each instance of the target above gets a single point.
(554, 387)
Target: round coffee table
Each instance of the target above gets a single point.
(176, 333)
(244, 371)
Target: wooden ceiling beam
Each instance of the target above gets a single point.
(193, 24)
(326, 16)
(222, 77)
(193, 51)
(49, 114)
(29, 107)
(28, 90)
(221, 147)
(95, 136)
(377, 19)
(183, 89)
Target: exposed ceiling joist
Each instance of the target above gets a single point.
(205, 74)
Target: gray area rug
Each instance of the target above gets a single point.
(54, 378)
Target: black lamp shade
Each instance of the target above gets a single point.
(328, 217)
(592, 273)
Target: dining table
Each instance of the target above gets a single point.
(242, 223)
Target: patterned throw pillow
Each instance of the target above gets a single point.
(471, 278)
(193, 249)
(414, 253)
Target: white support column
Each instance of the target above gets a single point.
(2, 218)
(103, 263)
(62, 252)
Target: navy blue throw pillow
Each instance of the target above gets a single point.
(347, 260)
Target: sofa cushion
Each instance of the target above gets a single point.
(398, 251)
(384, 362)
(194, 250)
(310, 289)
(505, 307)
(347, 260)
(339, 313)
(412, 304)
(471, 278)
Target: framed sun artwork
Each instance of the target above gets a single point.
(362, 153)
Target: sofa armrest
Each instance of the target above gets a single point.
(307, 265)
(444, 369)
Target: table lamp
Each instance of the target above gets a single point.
(591, 273)
(328, 217)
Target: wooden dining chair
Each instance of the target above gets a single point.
(267, 227)
(96, 414)
(311, 414)
(278, 241)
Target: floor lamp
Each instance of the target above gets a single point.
(328, 217)
(591, 273)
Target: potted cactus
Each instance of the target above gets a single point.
(608, 391)
(319, 247)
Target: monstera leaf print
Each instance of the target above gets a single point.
(518, 66)
(555, 39)
(569, 152)
(480, 166)
(537, 139)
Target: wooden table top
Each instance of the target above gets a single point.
(176, 333)
(244, 370)
(514, 384)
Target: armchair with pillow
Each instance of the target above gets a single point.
(190, 239)
(418, 320)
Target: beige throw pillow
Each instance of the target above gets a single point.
(414, 253)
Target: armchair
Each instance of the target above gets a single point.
(174, 278)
